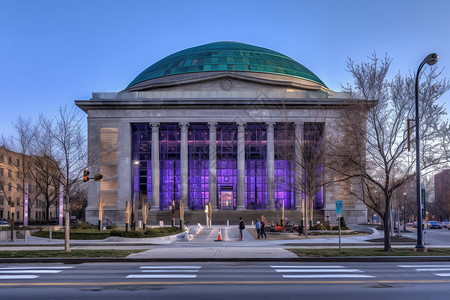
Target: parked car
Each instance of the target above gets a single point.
(444, 224)
(434, 225)
(3, 223)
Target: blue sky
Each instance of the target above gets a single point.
(55, 52)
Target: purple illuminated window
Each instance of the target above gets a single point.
(169, 165)
(141, 162)
(198, 152)
(284, 136)
(313, 136)
(255, 166)
(226, 165)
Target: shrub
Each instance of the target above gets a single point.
(112, 226)
(84, 225)
(161, 231)
(127, 234)
(318, 226)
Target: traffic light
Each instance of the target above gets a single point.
(98, 177)
(85, 175)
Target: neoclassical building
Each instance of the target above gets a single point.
(211, 124)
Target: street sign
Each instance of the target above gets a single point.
(339, 207)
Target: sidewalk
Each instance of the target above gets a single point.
(203, 247)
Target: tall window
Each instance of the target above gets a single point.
(198, 151)
(284, 140)
(226, 135)
(169, 163)
(142, 165)
(255, 166)
(313, 153)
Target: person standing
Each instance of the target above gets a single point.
(258, 228)
(263, 227)
(241, 227)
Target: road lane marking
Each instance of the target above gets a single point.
(6, 277)
(170, 267)
(329, 276)
(307, 267)
(424, 266)
(33, 268)
(436, 269)
(169, 271)
(315, 271)
(30, 271)
(161, 276)
(430, 268)
(175, 270)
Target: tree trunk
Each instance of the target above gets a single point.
(67, 232)
(386, 225)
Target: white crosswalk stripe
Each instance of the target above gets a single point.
(160, 272)
(319, 272)
(430, 268)
(23, 272)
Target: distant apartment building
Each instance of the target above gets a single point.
(442, 186)
(18, 190)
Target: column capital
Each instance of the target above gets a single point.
(154, 125)
(298, 123)
(270, 124)
(241, 124)
(183, 124)
(212, 124)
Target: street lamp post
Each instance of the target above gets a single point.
(404, 208)
(135, 174)
(431, 59)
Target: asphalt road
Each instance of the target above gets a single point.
(268, 280)
(432, 237)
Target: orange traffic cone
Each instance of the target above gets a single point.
(219, 238)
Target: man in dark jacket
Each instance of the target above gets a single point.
(241, 227)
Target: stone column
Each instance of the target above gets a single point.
(184, 170)
(212, 181)
(298, 165)
(270, 169)
(240, 201)
(155, 167)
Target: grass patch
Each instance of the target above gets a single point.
(334, 233)
(94, 234)
(74, 235)
(368, 252)
(149, 232)
(61, 253)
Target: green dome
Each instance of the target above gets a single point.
(228, 57)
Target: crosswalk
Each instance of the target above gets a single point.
(312, 272)
(436, 269)
(167, 272)
(29, 272)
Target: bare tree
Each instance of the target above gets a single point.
(21, 147)
(380, 158)
(67, 144)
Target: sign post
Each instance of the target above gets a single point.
(339, 205)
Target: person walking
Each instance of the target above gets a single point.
(263, 227)
(258, 228)
(241, 227)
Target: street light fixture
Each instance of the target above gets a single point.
(431, 59)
